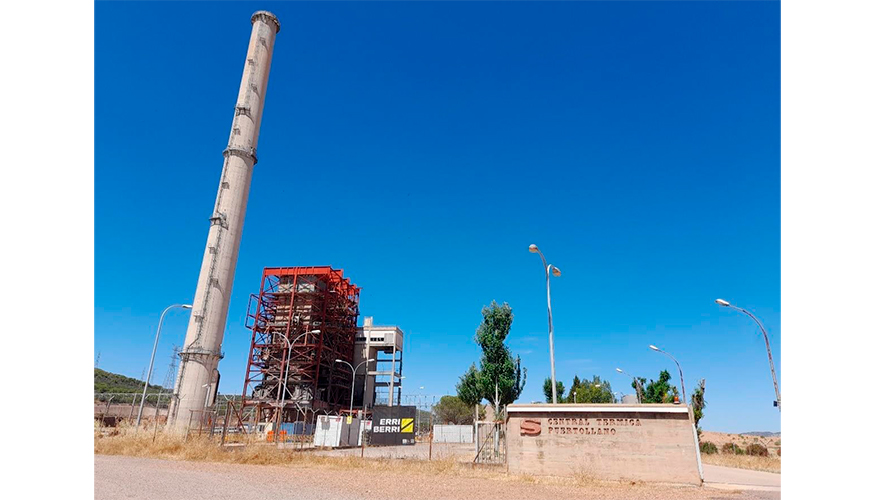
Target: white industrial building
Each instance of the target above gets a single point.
(378, 381)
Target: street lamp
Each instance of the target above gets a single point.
(352, 387)
(282, 404)
(152, 362)
(548, 269)
(288, 362)
(635, 383)
(683, 390)
(768, 348)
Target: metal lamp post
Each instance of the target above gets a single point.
(548, 268)
(768, 348)
(683, 390)
(152, 361)
(352, 386)
(206, 403)
(286, 377)
(636, 384)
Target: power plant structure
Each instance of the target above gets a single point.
(382, 384)
(306, 347)
(197, 380)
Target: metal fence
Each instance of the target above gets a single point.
(491, 443)
(227, 422)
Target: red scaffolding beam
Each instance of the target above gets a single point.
(316, 310)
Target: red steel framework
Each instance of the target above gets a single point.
(318, 307)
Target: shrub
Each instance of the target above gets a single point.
(757, 450)
(779, 452)
(707, 447)
(732, 448)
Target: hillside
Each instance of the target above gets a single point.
(762, 434)
(105, 381)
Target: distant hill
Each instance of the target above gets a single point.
(105, 381)
(762, 434)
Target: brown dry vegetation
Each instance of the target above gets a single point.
(766, 464)
(719, 438)
(772, 463)
(123, 441)
(201, 449)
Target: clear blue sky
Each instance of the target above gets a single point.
(422, 147)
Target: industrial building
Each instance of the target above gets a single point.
(305, 343)
(381, 383)
(306, 347)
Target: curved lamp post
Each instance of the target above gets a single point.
(635, 383)
(548, 269)
(683, 390)
(286, 378)
(724, 303)
(152, 362)
(352, 386)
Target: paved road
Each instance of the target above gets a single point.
(729, 478)
(117, 477)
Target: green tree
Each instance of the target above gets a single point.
(548, 390)
(467, 389)
(658, 391)
(500, 379)
(585, 391)
(452, 410)
(697, 401)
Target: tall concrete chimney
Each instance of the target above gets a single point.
(198, 376)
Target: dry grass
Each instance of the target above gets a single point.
(766, 464)
(124, 441)
(719, 438)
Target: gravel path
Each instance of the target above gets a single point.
(118, 477)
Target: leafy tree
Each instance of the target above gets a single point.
(582, 391)
(467, 389)
(548, 390)
(452, 410)
(697, 401)
(585, 391)
(500, 379)
(658, 391)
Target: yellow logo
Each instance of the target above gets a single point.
(407, 425)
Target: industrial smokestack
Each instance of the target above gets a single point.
(197, 378)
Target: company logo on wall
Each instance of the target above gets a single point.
(393, 425)
(385, 425)
(530, 427)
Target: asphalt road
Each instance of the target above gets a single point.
(729, 478)
(118, 477)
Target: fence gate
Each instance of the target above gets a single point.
(491, 443)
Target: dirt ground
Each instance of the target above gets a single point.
(146, 478)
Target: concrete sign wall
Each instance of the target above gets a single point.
(608, 441)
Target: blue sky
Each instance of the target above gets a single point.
(422, 147)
